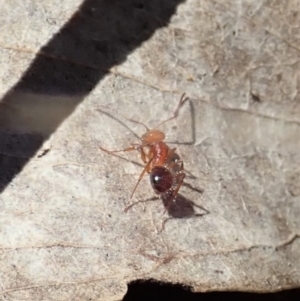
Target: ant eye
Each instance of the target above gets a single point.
(161, 179)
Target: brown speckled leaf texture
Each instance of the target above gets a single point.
(73, 71)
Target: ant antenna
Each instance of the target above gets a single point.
(138, 122)
(126, 118)
(129, 119)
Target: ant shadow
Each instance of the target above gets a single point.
(182, 207)
(193, 127)
(178, 208)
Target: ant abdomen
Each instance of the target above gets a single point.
(161, 179)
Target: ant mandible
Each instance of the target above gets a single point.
(162, 163)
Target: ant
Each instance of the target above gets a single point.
(162, 162)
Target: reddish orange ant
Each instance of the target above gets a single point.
(162, 163)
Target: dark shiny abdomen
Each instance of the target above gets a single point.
(161, 179)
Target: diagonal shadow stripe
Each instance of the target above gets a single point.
(99, 36)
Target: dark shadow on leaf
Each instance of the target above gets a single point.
(181, 207)
(151, 289)
(193, 128)
(100, 35)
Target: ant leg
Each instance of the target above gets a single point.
(142, 152)
(155, 198)
(164, 222)
(175, 164)
(170, 155)
(175, 192)
(143, 155)
(173, 160)
(182, 176)
(199, 190)
(146, 169)
(127, 149)
(182, 100)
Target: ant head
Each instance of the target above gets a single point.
(153, 136)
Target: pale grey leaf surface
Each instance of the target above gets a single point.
(63, 231)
